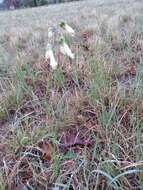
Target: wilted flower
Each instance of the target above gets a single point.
(65, 49)
(68, 28)
(50, 55)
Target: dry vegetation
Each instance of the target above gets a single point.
(80, 126)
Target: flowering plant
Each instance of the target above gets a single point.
(64, 47)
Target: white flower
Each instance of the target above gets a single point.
(65, 49)
(50, 33)
(68, 28)
(50, 55)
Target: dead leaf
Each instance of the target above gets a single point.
(132, 70)
(72, 139)
(46, 149)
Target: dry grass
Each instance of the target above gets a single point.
(80, 126)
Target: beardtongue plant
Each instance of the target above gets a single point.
(63, 46)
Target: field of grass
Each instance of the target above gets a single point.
(79, 127)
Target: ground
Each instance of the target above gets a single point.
(79, 126)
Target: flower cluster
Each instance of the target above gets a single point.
(64, 48)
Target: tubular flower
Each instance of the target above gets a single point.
(68, 28)
(50, 33)
(65, 49)
(50, 55)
